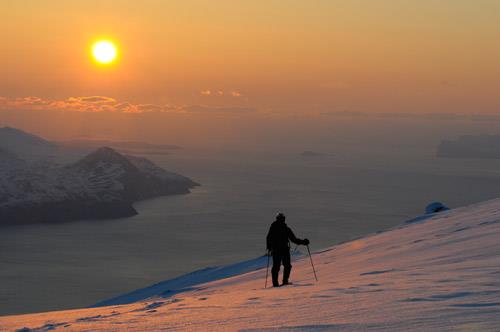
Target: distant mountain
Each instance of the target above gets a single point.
(471, 146)
(128, 147)
(129, 178)
(119, 144)
(6, 156)
(23, 144)
(103, 184)
(12, 138)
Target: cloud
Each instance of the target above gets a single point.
(24, 102)
(80, 104)
(106, 104)
(92, 100)
(220, 93)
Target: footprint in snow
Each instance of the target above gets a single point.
(476, 305)
(176, 300)
(89, 319)
(439, 297)
(376, 272)
(461, 229)
(46, 327)
(485, 223)
(322, 296)
(442, 281)
(152, 306)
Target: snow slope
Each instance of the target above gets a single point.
(440, 273)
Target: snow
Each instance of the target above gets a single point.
(440, 273)
(186, 282)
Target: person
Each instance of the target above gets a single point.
(278, 245)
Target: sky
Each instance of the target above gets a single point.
(198, 64)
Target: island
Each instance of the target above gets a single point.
(102, 184)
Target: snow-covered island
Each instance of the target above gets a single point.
(439, 272)
(43, 182)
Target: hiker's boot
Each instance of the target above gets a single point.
(286, 274)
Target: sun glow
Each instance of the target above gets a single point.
(104, 52)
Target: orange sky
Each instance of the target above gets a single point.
(275, 57)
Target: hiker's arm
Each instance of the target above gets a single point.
(268, 240)
(295, 240)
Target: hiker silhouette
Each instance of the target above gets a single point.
(278, 245)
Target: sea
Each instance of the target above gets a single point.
(328, 198)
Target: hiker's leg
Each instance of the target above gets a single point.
(287, 266)
(276, 267)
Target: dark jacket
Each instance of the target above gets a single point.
(279, 236)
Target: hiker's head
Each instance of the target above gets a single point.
(280, 217)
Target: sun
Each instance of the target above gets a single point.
(104, 52)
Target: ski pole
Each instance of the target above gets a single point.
(310, 257)
(267, 269)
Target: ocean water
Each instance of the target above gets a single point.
(328, 199)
